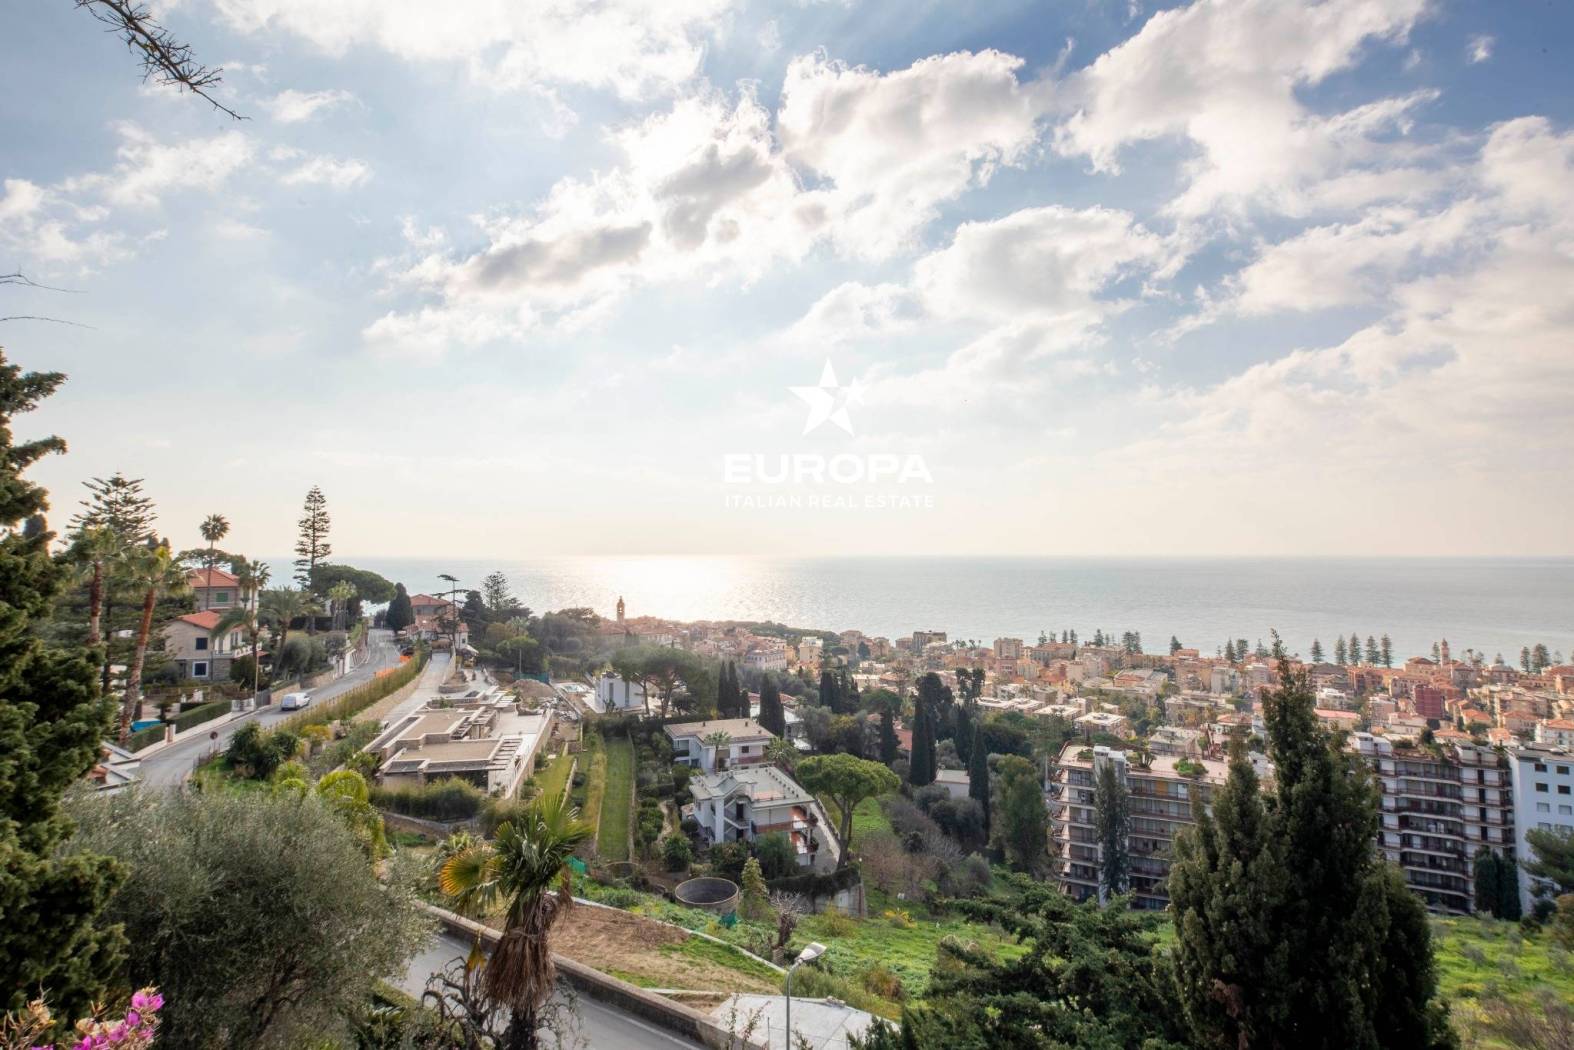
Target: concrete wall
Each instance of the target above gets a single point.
(620, 995)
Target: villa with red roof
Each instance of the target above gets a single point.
(189, 642)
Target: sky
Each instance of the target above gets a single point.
(727, 276)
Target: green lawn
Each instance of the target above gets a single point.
(554, 777)
(612, 841)
(868, 816)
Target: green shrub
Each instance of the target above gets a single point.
(676, 852)
(257, 753)
(447, 799)
(353, 702)
(144, 738)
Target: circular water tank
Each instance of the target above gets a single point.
(712, 894)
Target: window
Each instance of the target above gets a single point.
(1541, 786)
(199, 669)
(221, 597)
(1566, 811)
(1543, 807)
(1541, 767)
(1563, 789)
(744, 750)
(1563, 771)
(202, 643)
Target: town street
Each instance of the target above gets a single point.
(600, 1026)
(167, 767)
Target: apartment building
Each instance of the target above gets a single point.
(1439, 806)
(1543, 784)
(716, 744)
(1161, 795)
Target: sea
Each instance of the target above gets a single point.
(1491, 605)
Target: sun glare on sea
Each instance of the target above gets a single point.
(675, 587)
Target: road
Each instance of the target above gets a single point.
(600, 1026)
(166, 768)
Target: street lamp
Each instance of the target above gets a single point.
(811, 951)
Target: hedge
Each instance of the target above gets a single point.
(198, 715)
(446, 799)
(353, 702)
(145, 737)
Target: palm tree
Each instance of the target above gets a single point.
(718, 742)
(213, 528)
(97, 552)
(156, 573)
(341, 594)
(281, 607)
(519, 868)
(251, 576)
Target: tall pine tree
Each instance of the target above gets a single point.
(921, 762)
(51, 724)
(1292, 930)
(311, 544)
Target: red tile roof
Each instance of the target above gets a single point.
(207, 619)
(212, 578)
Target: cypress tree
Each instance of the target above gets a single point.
(964, 733)
(830, 692)
(921, 763)
(51, 723)
(1292, 931)
(1485, 869)
(772, 716)
(1112, 821)
(978, 778)
(1508, 889)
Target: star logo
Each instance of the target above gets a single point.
(828, 401)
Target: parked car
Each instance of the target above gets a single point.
(295, 701)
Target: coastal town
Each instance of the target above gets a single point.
(706, 525)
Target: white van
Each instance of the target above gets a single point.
(295, 701)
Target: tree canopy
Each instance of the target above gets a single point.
(846, 781)
(52, 938)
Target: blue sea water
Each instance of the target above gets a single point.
(1490, 604)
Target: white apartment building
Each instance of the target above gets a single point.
(719, 743)
(746, 802)
(1543, 781)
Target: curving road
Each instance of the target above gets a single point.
(600, 1026)
(166, 768)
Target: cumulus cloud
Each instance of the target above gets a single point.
(1480, 49)
(293, 107)
(1468, 366)
(632, 47)
(1225, 76)
(889, 148)
(708, 189)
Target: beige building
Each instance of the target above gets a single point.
(200, 655)
(488, 742)
(1161, 799)
(1438, 808)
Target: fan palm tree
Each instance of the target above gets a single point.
(213, 528)
(252, 576)
(519, 869)
(156, 573)
(718, 742)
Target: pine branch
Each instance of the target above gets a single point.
(165, 60)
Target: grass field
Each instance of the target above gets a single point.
(554, 778)
(1485, 957)
(612, 837)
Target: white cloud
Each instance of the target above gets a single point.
(1467, 371)
(1048, 264)
(855, 312)
(631, 47)
(148, 169)
(1480, 49)
(292, 107)
(1224, 75)
(892, 147)
(328, 171)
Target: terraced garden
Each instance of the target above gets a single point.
(612, 837)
